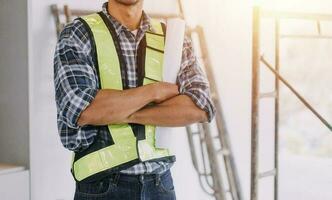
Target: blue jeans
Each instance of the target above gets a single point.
(128, 187)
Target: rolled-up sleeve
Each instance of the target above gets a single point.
(75, 85)
(193, 82)
(75, 98)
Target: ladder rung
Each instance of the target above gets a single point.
(205, 174)
(194, 132)
(225, 152)
(268, 95)
(268, 173)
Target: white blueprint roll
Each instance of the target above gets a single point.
(166, 136)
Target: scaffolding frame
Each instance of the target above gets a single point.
(257, 59)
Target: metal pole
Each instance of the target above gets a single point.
(255, 103)
(297, 36)
(55, 12)
(182, 14)
(324, 121)
(319, 30)
(276, 107)
(67, 13)
(218, 186)
(296, 15)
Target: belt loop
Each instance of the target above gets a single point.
(116, 178)
(141, 178)
(157, 179)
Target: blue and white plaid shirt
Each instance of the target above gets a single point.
(76, 83)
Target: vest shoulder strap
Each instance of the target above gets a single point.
(154, 55)
(107, 56)
(92, 19)
(157, 26)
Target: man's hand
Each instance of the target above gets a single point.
(164, 91)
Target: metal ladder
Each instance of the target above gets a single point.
(257, 59)
(219, 172)
(218, 176)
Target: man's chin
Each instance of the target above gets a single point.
(128, 2)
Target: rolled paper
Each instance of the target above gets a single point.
(166, 136)
(173, 49)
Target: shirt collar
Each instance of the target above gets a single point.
(145, 24)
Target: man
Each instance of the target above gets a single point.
(110, 97)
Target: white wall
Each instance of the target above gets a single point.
(50, 162)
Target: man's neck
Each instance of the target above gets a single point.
(129, 16)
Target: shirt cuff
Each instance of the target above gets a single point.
(76, 105)
(204, 103)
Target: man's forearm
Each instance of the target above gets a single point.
(177, 111)
(114, 106)
(108, 105)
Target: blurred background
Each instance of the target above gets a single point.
(34, 164)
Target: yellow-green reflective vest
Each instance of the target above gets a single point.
(128, 144)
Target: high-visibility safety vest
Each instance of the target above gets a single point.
(128, 144)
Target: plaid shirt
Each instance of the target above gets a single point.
(76, 83)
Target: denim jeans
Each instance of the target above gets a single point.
(128, 187)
